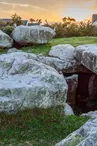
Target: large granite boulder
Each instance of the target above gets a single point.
(26, 83)
(25, 35)
(65, 52)
(87, 56)
(62, 51)
(84, 136)
(5, 40)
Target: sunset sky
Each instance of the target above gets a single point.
(52, 10)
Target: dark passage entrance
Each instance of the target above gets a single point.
(85, 97)
(82, 94)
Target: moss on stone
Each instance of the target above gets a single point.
(75, 140)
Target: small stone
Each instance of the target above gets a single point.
(91, 114)
(12, 50)
(68, 110)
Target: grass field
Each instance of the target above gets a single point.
(36, 127)
(75, 41)
(44, 49)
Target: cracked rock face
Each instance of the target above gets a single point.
(87, 56)
(26, 83)
(84, 136)
(25, 35)
(5, 40)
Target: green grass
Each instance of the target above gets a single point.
(37, 127)
(2, 51)
(44, 49)
(75, 41)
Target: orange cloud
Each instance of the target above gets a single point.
(49, 9)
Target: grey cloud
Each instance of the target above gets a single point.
(23, 5)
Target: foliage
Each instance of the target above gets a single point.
(32, 20)
(16, 19)
(37, 127)
(68, 19)
(71, 28)
(85, 28)
(2, 24)
(7, 29)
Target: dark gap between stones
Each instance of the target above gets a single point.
(82, 91)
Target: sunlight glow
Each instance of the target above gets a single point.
(77, 13)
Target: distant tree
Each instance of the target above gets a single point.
(68, 19)
(46, 21)
(64, 19)
(16, 19)
(32, 20)
(39, 21)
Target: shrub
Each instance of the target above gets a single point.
(16, 19)
(85, 28)
(8, 29)
(73, 29)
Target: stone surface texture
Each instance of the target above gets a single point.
(62, 51)
(68, 110)
(87, 56)
(27, 83)
(65, 52)
(5, 40)
(12, 50)
(91, 114)
(84, 136)
(25, 35)
(58, 64)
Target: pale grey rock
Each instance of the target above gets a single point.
(87, 56)
(62, 51)
(68, 110)
(65, 53)
(27, 83)
(25, 35)
(72, 77)
(95, 23)
(58, 64)
(91, 114)
(84, 136)
(5, 40)
(12, 50)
